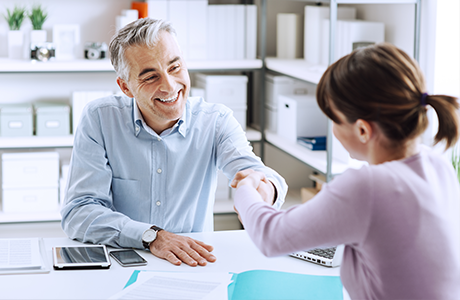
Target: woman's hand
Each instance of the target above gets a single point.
(258, 181)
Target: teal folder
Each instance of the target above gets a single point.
(273, 285)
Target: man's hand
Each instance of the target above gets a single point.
(258, 181)
(177, 249)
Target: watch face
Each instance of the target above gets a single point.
(149, 235)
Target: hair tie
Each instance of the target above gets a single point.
(423, 99)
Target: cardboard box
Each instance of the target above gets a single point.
(52, 119)
(16, 120)
(300, 115)
(307, 193)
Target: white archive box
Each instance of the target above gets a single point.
(300, 115)
(30, 170)
(276, 85)
(230, 90)
(30, 199)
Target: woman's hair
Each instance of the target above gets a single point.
(382, 84)
(143, 32)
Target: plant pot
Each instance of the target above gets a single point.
(15, 44)
(38, 36)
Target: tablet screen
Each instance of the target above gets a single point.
(91, 256)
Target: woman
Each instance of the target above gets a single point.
(398, 217)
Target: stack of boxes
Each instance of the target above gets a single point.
(51, 119)
(276, 85)
(30, 182)
(230, 90)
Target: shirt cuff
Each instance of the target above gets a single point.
(279, 199)
(131, 234)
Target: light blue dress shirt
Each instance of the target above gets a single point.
(124, 177)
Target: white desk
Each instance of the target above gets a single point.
(234, 250)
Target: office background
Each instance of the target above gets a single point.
(439, 59)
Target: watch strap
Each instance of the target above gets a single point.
(147, 244)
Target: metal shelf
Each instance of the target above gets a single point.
(104, 65)
(67, 141)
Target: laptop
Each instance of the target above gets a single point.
(328, 257)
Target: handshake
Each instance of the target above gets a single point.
(258, 181)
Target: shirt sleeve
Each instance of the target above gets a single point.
(339, 214)
(234, 153)
(88, 214)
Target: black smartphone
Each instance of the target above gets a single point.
(128, 257)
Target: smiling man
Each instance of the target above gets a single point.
(144, 166)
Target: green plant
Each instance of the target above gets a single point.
(456, 160)
(37, 16)
(15, 17)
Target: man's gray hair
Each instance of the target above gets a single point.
(143, 32)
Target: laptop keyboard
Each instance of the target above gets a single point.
(327, 252)
(322, 256)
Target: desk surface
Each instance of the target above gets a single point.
(234, 250)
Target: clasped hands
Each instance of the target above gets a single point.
(178, 249)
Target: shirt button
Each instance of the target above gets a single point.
(158, 203)
(137, 129)
(159, 139)
(159, 171)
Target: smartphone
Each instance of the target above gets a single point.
(128, 257)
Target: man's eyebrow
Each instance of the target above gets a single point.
(147, 70)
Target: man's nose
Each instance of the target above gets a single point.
(168, 84)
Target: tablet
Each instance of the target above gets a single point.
(81, 257)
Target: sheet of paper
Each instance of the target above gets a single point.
(175, 285)
(20, 254)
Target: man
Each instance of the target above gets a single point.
(144, 166)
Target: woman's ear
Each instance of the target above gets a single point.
(124, 87)
(363, 130)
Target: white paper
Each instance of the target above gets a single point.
(20, 254)
(172, 285)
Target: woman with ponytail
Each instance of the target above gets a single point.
(398, 217)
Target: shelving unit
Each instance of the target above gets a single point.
(8, 66)
(320, 161)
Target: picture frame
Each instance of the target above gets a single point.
(66, 38)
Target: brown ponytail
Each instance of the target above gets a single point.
(384, 85)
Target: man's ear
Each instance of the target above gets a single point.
(124, 87)
(364, 130)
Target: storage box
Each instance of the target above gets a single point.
(16, 120)
(30, 170)
(30, 200)
(300, 115)
(276, 85)
(52, 119)
(230, 90)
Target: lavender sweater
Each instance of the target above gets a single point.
(399, 221)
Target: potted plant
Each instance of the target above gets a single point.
(37, 17)
(15, 35)
(456, 160)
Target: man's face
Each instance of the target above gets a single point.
(158, 80)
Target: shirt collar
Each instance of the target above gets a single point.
(139, 121)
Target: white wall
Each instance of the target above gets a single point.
(96, 17)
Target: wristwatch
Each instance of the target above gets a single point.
(150, 235)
